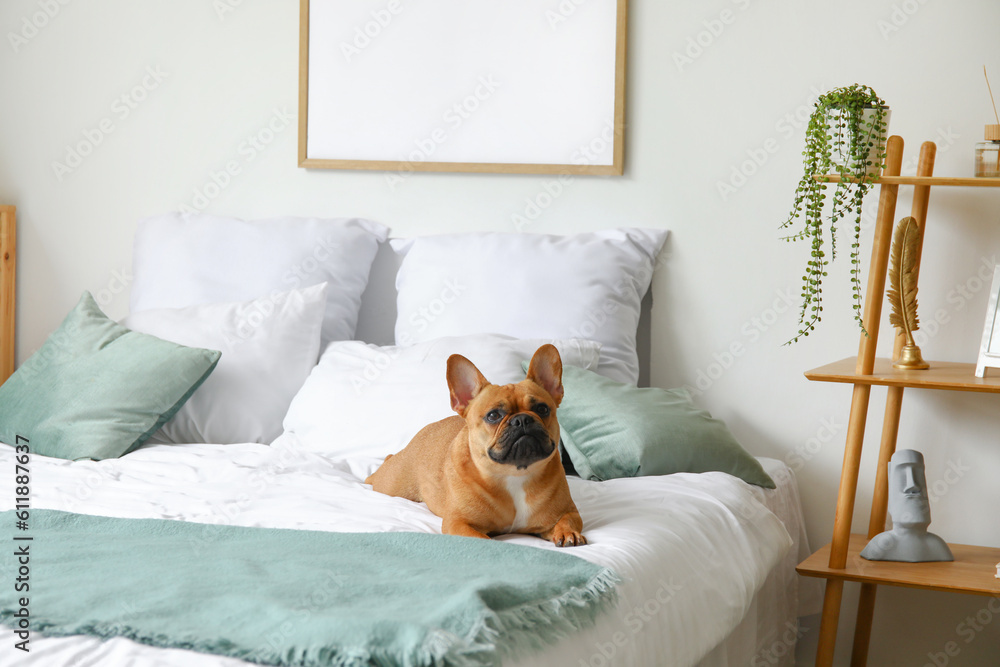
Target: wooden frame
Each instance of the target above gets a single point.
(385, 136)
(8, 275)
(989, 350)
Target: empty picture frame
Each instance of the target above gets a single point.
(515, 86)
(989, 349)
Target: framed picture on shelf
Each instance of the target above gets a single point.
(989, 350)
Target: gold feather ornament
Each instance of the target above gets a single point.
(902, 293)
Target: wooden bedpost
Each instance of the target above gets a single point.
(8, 274)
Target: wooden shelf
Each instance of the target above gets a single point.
(971, 572)
(960, 181)
(949, 375)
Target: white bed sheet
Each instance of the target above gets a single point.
(693, 550)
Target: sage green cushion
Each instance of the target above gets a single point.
(610, 430)
(96, 390)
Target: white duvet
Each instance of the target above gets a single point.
(692, 550)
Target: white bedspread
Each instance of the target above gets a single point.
(692, 549)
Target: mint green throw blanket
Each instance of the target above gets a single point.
(291, 597)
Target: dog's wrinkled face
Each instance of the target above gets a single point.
(513, 425)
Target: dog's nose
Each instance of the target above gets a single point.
(521, 421)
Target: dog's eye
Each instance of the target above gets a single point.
(493, 416)
(542, 410)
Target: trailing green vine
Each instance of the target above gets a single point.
(838, 141)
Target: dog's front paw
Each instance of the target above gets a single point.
(566, 532)
(567, 538)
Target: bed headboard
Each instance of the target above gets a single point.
(8, 273)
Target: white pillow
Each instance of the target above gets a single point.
(188, 260)
(529, 286)
(367, 400)
(268, 348)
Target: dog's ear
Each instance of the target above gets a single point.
(464, 382)
(545, 369)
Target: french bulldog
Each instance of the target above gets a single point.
(493, 468)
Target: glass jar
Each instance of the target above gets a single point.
(988, 153)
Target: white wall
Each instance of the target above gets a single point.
(752, 72)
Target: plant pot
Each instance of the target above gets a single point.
(840, 154)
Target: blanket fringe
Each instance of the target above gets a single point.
(573, 610)
(510, 633)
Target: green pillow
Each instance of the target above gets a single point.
(96, 390)
(610, 429)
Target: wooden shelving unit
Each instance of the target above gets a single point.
(973, 570)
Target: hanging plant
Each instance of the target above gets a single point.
(846, 135)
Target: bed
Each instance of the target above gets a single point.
(348, 325)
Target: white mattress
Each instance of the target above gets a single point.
(694, 551)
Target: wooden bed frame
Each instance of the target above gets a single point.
(8, 276)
